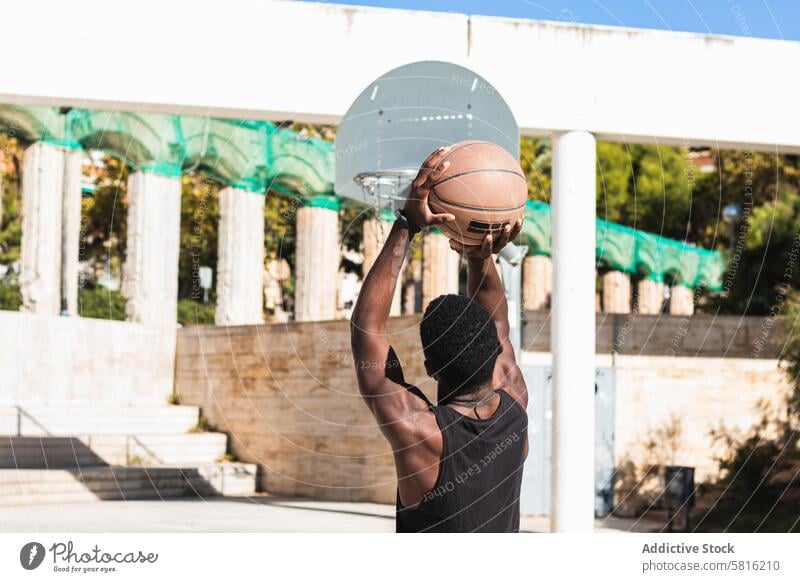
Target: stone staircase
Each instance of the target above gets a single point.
(62, 454)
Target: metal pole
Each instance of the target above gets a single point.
(573, 331)
(511, 258)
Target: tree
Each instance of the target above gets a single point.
(661, 192)
(536, 161)
(10, 199)
(614, 170)
(104, 220)
(199, 232)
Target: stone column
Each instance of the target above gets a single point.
(412, 289)
(317, 260)
(616, 292)
(42, 203)
(73, 175)
(681, 300)
(240, 258)
(440, 267)
(649, 297)
(376, 230)
(150, 273)
(537, 282)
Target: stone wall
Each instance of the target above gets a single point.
(287, 395)
(728, 336)
(667, 407)
(72, 360)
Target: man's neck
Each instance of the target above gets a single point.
(445, 396)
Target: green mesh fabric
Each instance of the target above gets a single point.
(30, 124)
(252, 155)
(323, 201)
(258, 155)
(622, 248)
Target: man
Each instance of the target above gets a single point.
(459, 463)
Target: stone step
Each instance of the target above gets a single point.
(39, 486)
(71, 419)
(34, 452)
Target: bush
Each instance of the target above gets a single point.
(101, 303)
(758, 487)
(192, 312)
(10, 296)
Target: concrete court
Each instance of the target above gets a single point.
(252, 514)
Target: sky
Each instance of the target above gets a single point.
(778, 19)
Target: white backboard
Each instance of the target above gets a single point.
(401, 117)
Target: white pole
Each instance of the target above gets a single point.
(573, 331)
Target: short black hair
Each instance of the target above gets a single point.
(459, 339)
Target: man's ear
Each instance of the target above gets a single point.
(428, 370)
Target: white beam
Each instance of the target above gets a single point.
(573, 331)
(621, 84)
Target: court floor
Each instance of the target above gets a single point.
(246, 514)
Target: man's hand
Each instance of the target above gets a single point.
(416, 208)
(489, 245)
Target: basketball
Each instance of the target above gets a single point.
(484, 188)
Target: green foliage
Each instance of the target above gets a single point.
(173, 399)
(192, 312)
(661, 191)
(757, 471)
(104, 218)
(199, 233)
(766, 268)
(203, 425)
(101, 303)
(280, 213)
(614, 172)
(536, 161)
(10, 296)
(10, 199)
(790, 356)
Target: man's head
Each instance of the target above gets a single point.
(460, 342)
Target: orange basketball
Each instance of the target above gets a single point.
(484, 188)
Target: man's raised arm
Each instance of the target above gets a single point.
(486, 289)
(380, 377)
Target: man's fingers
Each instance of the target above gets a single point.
(440, 218)
(457, 246)
(486, 246)
(433, 160)
(437, 173)
(515, 230)
(430, 166)
(502, 240)
(422, 176)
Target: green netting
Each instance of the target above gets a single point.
(248, 154)
(622, 248)
(30, 124)
(257, 155)
(323, 201)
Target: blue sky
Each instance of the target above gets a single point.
(779, 19)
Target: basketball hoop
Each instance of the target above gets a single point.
(385, 188)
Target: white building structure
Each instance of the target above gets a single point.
(590, 83)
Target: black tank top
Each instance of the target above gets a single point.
(480, 474)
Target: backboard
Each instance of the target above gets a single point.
(401, 117)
